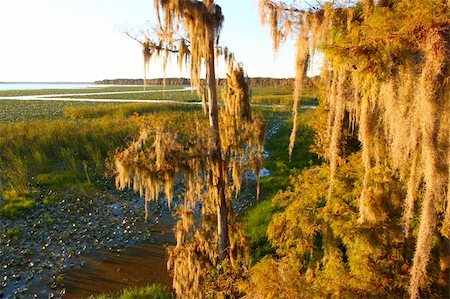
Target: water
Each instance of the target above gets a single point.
(108, 272)
(34, 86)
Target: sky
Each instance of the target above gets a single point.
(83, 41)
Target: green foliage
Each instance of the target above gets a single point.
(59, 179)
(125, 110)
(179, 96)
(258, 218)
(330, 252)
(271, 95)
(18, 110)
(153, 291)
(362, 44)
(51, 200)
(15, 203)
(256, 222)
(59, 145)
(277, 147)
(13, 233)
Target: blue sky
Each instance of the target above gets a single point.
(69, 40)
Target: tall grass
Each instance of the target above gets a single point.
(30, 148)
(79, 143)
(124, 110)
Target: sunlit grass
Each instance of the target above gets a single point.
(153, 291)
(168, 95)
(15, 204)
(258, 218)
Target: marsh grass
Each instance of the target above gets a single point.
(28, 149)
(278, 148)
(256, 222)
(15, 204)
(69, 152)
(258, 218)
(64, 180)
(17, 110)
(271, 95)
(33, 92)
(51, 200)
(153, 291)
(13, 233)
(182, 96)
(124, 110)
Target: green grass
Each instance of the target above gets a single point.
(278, 148)
(13, 233)
(257, 219)
(17, 110)
(59, 179)
(64, 180)
(153, 291)
(270, 95)
(70, 153)
(28, 149)
(15, 204)
(271, 90)
(124, 110)
(182, 96)
(256, 222)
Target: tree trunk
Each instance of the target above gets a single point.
(216, 153)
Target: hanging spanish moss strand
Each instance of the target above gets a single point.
(147, 53)
(365, 137)
(413, 186)
(399, 102)
(302, 55)
(432, 79)
(336, 132)
(446, 225)
(211, 159)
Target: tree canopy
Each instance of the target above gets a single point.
(386, 75)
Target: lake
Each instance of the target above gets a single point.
(29, 86)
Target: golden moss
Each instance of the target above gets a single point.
(396, 54)
(211, 160)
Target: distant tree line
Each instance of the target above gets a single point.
(261, 81)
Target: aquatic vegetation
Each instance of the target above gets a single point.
(14, 203)
(152, 291)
